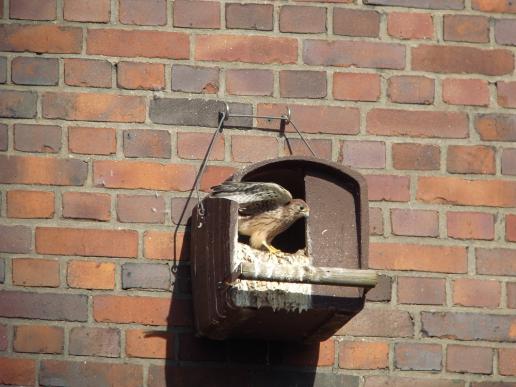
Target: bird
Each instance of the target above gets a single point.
(265, 210)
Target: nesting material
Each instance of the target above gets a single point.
(276, 295)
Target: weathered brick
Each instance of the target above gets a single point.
(164, 245)
(44, 306)
(382, 291)
(17, 104)
(215, 175)
(473, 92)
(86, 242)
(86, 205)
(249, 82)
(506, 363)
(92, 141)
(405, 25)
(295, 146)
(3, 69)
(30, 204)
(87, 72)
(391, 122)
(382, 322)
(94, 107)
(87, 10)
(360, 54)
(375, 221)
(35, 272)
(147, 76)
(144, 175)
(471, 159)
(460, 59)
(302, 84)
(33, 9)
(4, 337)
(249, 16)
(140, 209)
(506, 94)
(4, 133)
(465, 28)
(494, 193)
(40, 38)
(510, 228)
(194, 79)
(496, 127)
(414, 222)
(248, 149)
(143, 12)
(468, 326)
(470, 225)
(146, 276)
(35, 71)
(147, 44)
(511, 295)
(411, 89)
(196, 14)
(468, 359)
(505, 31)
(351, 22)
(156, 345)
(17, 371)
(302, 19)
(422, 291)
(147, 143)
(304, 355)
(501, 6)
(192, 348)
(434, 4)
(364, 355)
(418, 357)
(363, 154)
(397, 256)
(473, 292)
(193, 146)
(396, 381)
(15, 239)
(37, 138)
(388, 187)
(181, 210)
(86, 341)
(38, 339)
(91, 275)
(496, 261)
(414, 156)
(249, 49)
(356, 87)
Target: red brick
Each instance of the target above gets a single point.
(506, 363)
(295, 146)
(91, 275)
(249, 16)
(249, 49)
(155, 345)
(397, 256)
(37, 138)
(17, 104)
(3, 67)
(496, 127)
(505, 31)
(302, 84)
(303, 355)
(470, 225)
(375, 221)
(389, 188)
(214, 175)
(39, 170)
(147, 76)
(364, 355)
(382, 291)
(147, 143)
(496, 261)
(164, 245)
(501, 6)
(194, 79)
(351, 22)
(85, 341)
(506, 92)
(146, 276)
(38, 339)
(140, 209)
(147, 44)
(196, 14)
(471, 159)
(460, 59)
(422, 291)
(479, 293)
(360, 54)
(21, 372)
(356, 87)
(494, 193)
(4, 137)
(249, 82)
(33, 9)
(314, 119)
(302, 19)
(405, 25)
(363, 154)
(434, 4)
(418, 357)
(193, 146)
(396, 381)
(462, 28)
(87, 72)
(510, 228)
(87, 242)
(511, 295)
(35, 71)
(87, 10)
(35, 272)
(93, 107)
(416, 156)
(182, 208)
(473, 92)
(468, 359)
(4, 337)
(390, 122)
(411, 89)
(143, 175)
(86, 205)
(379, 322)
(15, 239)
(30, 204)
(92, 141)
(414, 222)
(143, 12)
(250, 149)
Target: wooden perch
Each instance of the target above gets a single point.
(306, 274)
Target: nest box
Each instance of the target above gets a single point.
(309, 292)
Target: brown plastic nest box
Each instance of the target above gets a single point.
(242, 292)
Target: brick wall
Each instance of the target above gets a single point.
(107, 107)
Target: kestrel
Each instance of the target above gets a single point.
(265, 210)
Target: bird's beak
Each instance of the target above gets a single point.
(306, 213)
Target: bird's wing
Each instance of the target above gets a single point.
(253, 197)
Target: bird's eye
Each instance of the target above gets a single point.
(302, 208)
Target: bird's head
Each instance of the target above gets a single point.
(299, 208)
